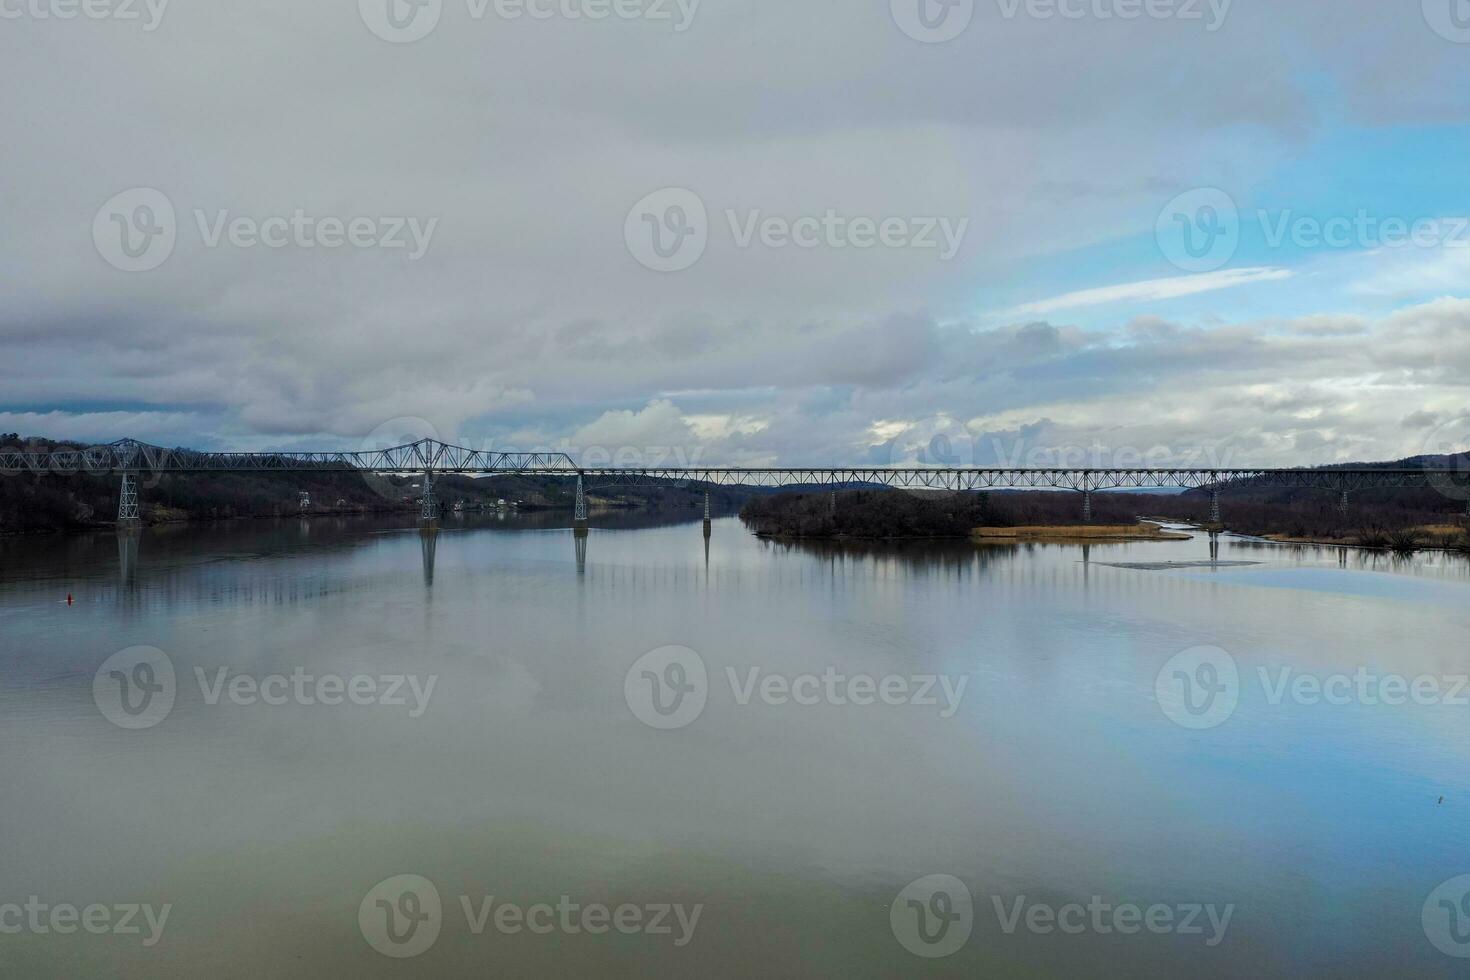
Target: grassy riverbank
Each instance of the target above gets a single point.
(1073, 534)
(1431, 537)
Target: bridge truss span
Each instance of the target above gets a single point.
(1083, 480)
(432, 459)
(129, 456)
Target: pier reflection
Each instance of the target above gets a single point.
(251, 562)
(429, 545)
(127, 554)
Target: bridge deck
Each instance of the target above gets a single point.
(128, 456)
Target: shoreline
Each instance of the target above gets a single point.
(1440, 546)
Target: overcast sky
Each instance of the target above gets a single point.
(805, 231)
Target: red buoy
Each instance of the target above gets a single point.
(68, 598)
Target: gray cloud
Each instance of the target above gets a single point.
(528, 319)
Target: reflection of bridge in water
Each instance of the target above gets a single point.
(286, 568)
(429, 459)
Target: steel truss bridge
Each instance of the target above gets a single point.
(432, 458)
(128, 456)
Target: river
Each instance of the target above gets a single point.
(339, 748)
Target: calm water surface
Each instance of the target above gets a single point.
(1057, 777)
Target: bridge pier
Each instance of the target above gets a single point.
(128, 514)
(579, 527)
(1215, 507)
(706, 514)
(833, 504)
(1087, 506)
(1342, 504)
(429, 504)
